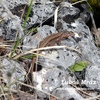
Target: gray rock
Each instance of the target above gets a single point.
(8, 66)
(13, 3)
(66, 93)
(92, 78)
(54, 73)
(32, 41)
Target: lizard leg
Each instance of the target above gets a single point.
(59, 42)
(51, 43)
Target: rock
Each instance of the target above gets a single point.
(32, 41)
(67, 93)
(55, 63)
(15, 69)
(92, 77)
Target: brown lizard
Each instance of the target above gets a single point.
(50, 41)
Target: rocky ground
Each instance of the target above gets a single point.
(52, 79)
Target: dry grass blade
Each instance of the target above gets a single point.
(45, 48)
(37, 89)
(91, 96)
(6, 89)
(55, 16)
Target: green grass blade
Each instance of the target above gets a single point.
(1, 21)
(15, 81)
(15, 47)
(33, 29)
(10, 74)
(14, 67)
(29, 10)
(29, 56)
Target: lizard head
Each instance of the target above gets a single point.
(67, 34)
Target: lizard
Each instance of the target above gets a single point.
(50, 41)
